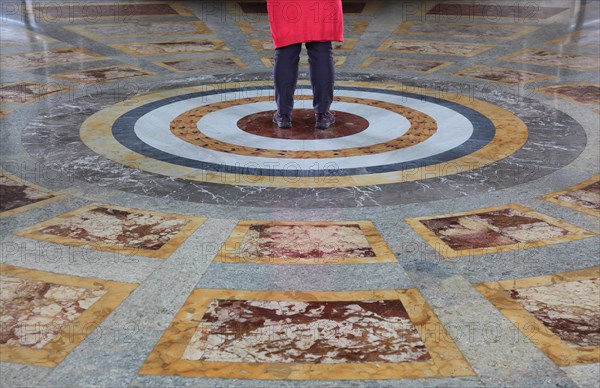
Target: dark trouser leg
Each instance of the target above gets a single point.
(322, 74)
(285, 73)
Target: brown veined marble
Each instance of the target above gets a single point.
(478, 30)
(52, 57)
(103, 74)
(403, 64)
(584, 93)
(171, 47)
(17, 194)
(305, 242)
(123, 30)
(542, 57)
(306, 332)
(570, 310)
(203, 64)
(428, 47)
(587, 197)
(504, 75)
(494, 10)
(26, 92)
(261, 124)
(33, 313)
(118, 227)
(492, 229)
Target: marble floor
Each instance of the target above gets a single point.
(158, 230)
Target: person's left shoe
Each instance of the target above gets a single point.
(282, 121)
(325, 120)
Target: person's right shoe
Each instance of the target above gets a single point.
(325, 120)
(282, 121)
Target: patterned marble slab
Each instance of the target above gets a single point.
(306, 336)
(269, 242)
(4, 112)
(559, 313)
(45, 315)
(19, 195)
(91, 11)
(518, 11)
(429, 47)
(19, 36)
(492, 230)
(263, 44)
(35, 59)
(141, 49)
(503, 75)
(542, 57)
(205, 64)
(583, 93)
(26, 92)
(129, 30)
(117, 229)
(103, 74)
(587, 37)
(471, 30)
(404, 64)
(584, 197)
(269, 61)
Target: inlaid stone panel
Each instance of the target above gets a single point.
(493, 229)
(543, 57)
(378, 334)
(103, 74)
(503, 75)
(584, 197)
(18, 195)
(113, 228)
(583, 93)
(35, 59)
(305, 243)
(140, 49)
(45, 315)
(428, 47)
(558, 313)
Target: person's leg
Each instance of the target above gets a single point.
(285, 74)
(322, 74)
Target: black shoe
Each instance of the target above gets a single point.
(325, 120)
(282, 121)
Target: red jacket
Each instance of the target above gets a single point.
(299, 21)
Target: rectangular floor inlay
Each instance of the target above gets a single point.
(493, 230)
(429, 47)
(140, 49)
(559, 313)
(543, 57)
(206, 64)
(103, 74)
(268, 242)
(26, 92)
(45, 315)
(474, 30)
(18, 195)
(305, 336)
(114, 228)
(583, 197)
(584, 93)
(127, 30)
(503, 75)
(21, 36)
(404, 64)
(34, 59)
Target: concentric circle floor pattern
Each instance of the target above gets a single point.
(159, 230)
